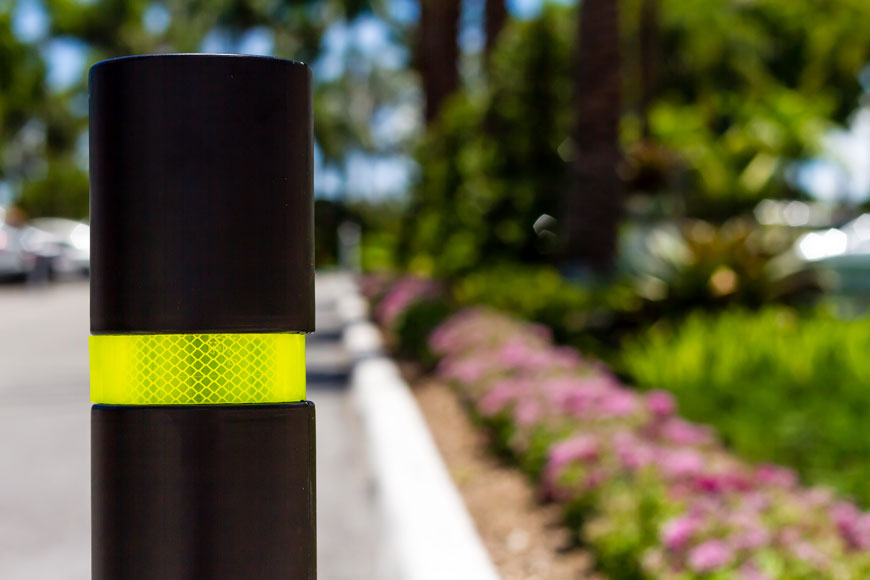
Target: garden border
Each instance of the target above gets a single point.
(429, 534)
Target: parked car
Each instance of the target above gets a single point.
(840, 256)
(66, 242)
(16, 261)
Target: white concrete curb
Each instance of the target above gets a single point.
(429, 534)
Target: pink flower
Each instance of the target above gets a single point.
(709, 556)
(565, 357)
(816, 497)
(750, 538)
(680, 464)
(632, 452)
(750, 571)
(677, 532)
(465, 371)
(541, 331)
(661, 403)
(853, 525)
(581, 448)
(618, 403)
(859, 535)
(775, 476)
(498, 398)
(807, 552)
(403, 294)
(682, 432)
(711, 483)
(515, 353)
(722, 482)
(755, 501)
(584, 396)
(594, 478)
(527, 412)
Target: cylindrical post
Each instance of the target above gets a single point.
(202, 290)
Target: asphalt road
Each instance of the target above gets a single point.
(44, 439)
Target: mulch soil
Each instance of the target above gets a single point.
(525, 538)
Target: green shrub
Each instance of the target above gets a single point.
(414, 326)
(590, 318)
(777, 386)
(536, 294)
(491, 166)
(681, 265)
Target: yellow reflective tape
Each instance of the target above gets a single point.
(197, 369)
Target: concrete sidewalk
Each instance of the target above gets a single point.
(348, 532)
(44, 439)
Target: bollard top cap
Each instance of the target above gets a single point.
(201, 195)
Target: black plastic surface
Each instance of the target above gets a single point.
(201, 195)
(203, 493)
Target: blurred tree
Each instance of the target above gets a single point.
(438, 52)
(328, 215)
(720, 99)
(117, 27)
(22, 96)
(110, 27)
(648, 58)
(495, 17)
(748, 88)
(492, 168)
(44, 126)
(62, 191)
(595, 205)
(38, 134)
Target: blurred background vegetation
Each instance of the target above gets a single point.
(364, 87)
(672, 176)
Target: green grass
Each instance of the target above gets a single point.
(778, 387)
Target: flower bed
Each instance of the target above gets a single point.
(655, 496)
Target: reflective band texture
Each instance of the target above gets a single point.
(197, 369)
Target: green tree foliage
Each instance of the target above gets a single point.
(111, 27)
(741, 91)
(61, 191)
(42, 128)
(491, 167)
(21, 95)
(744, 89)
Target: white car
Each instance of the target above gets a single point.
(67, 242)
(16, 260)
(840, 256)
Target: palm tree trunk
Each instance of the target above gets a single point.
(595, 203)
(494, 19)
(649, 51)
(438, 52)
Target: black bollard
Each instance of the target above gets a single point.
(202, 289)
